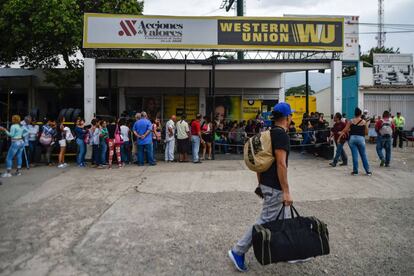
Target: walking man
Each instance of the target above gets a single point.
(196, 138)
(385, 129)
(273, 182)
(399, 122)
(170, 139)
(183, 136)
(143, 131)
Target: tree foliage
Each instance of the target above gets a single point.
(369, 57)
(41, 33)
(299, 90)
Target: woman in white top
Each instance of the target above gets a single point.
(126, 145)
(33, 130)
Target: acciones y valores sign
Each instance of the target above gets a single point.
(179, 32)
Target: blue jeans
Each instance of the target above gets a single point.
(195, 142)
(357, 145)
(103, 150)
(32, 150)
(307, 138)
(80, 158)
(125, 152)
(149, 150)
(223, 143)
(16, 149)
(340, 152)
(384, 143)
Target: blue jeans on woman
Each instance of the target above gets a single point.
(340, 152)
(126, 152)
(80, 158)
(16, 149)
(103, 149)
(357, 145)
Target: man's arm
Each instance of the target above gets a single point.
(282, 175)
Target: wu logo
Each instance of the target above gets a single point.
(128, 28)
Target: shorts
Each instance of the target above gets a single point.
(62, 143)
(207, 138)
(183, 145)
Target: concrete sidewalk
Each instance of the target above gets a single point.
(180, 219)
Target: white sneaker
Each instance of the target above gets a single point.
(61, 166)
(6, 174)
(65, 165)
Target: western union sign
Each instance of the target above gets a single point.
(245, 33)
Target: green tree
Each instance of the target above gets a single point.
(369, 56)
(299, 90)
(41, 33)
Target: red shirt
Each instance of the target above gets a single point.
(195, 128)
(337, 127)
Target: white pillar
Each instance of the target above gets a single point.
(89, 97)
(202, 101)
(336, 86)
(121, 100)
(282, 88)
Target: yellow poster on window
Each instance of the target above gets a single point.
(251, 108)
(174, 105)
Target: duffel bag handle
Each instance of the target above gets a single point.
(293, 211)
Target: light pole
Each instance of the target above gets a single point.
(9, 93)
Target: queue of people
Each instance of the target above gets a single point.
(125, 140)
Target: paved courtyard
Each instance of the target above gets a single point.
(180, 219)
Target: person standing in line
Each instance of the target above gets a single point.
(385, 129)
(340, 152)
(80, 133)
(196, 138)
(114, 143)
(156, 136)
(26, 151)
(33, 130)
(399, 123)
(206, 135)
(126, 145)
(357, 129)
(61, 138)
(143, 131)
(103, 138)
(183, 136)
(273, 183)
(47, 139)
(17, 132)
(94, 133)
(170, 139)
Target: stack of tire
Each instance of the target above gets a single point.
(70, 114)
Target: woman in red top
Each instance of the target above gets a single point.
(196, 138)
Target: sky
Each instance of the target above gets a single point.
(396, 12)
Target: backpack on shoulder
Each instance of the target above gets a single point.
(386, 129)
(258, 153)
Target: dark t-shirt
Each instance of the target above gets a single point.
(280, 140)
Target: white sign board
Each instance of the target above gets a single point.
(393, 69)
(198, 32)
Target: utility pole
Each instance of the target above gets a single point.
(381, 34)
(185, 85)
(240, 12)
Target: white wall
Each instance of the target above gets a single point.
(366, 75)
(224, 79)
(323, 102)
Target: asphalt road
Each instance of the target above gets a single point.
(180, 219)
